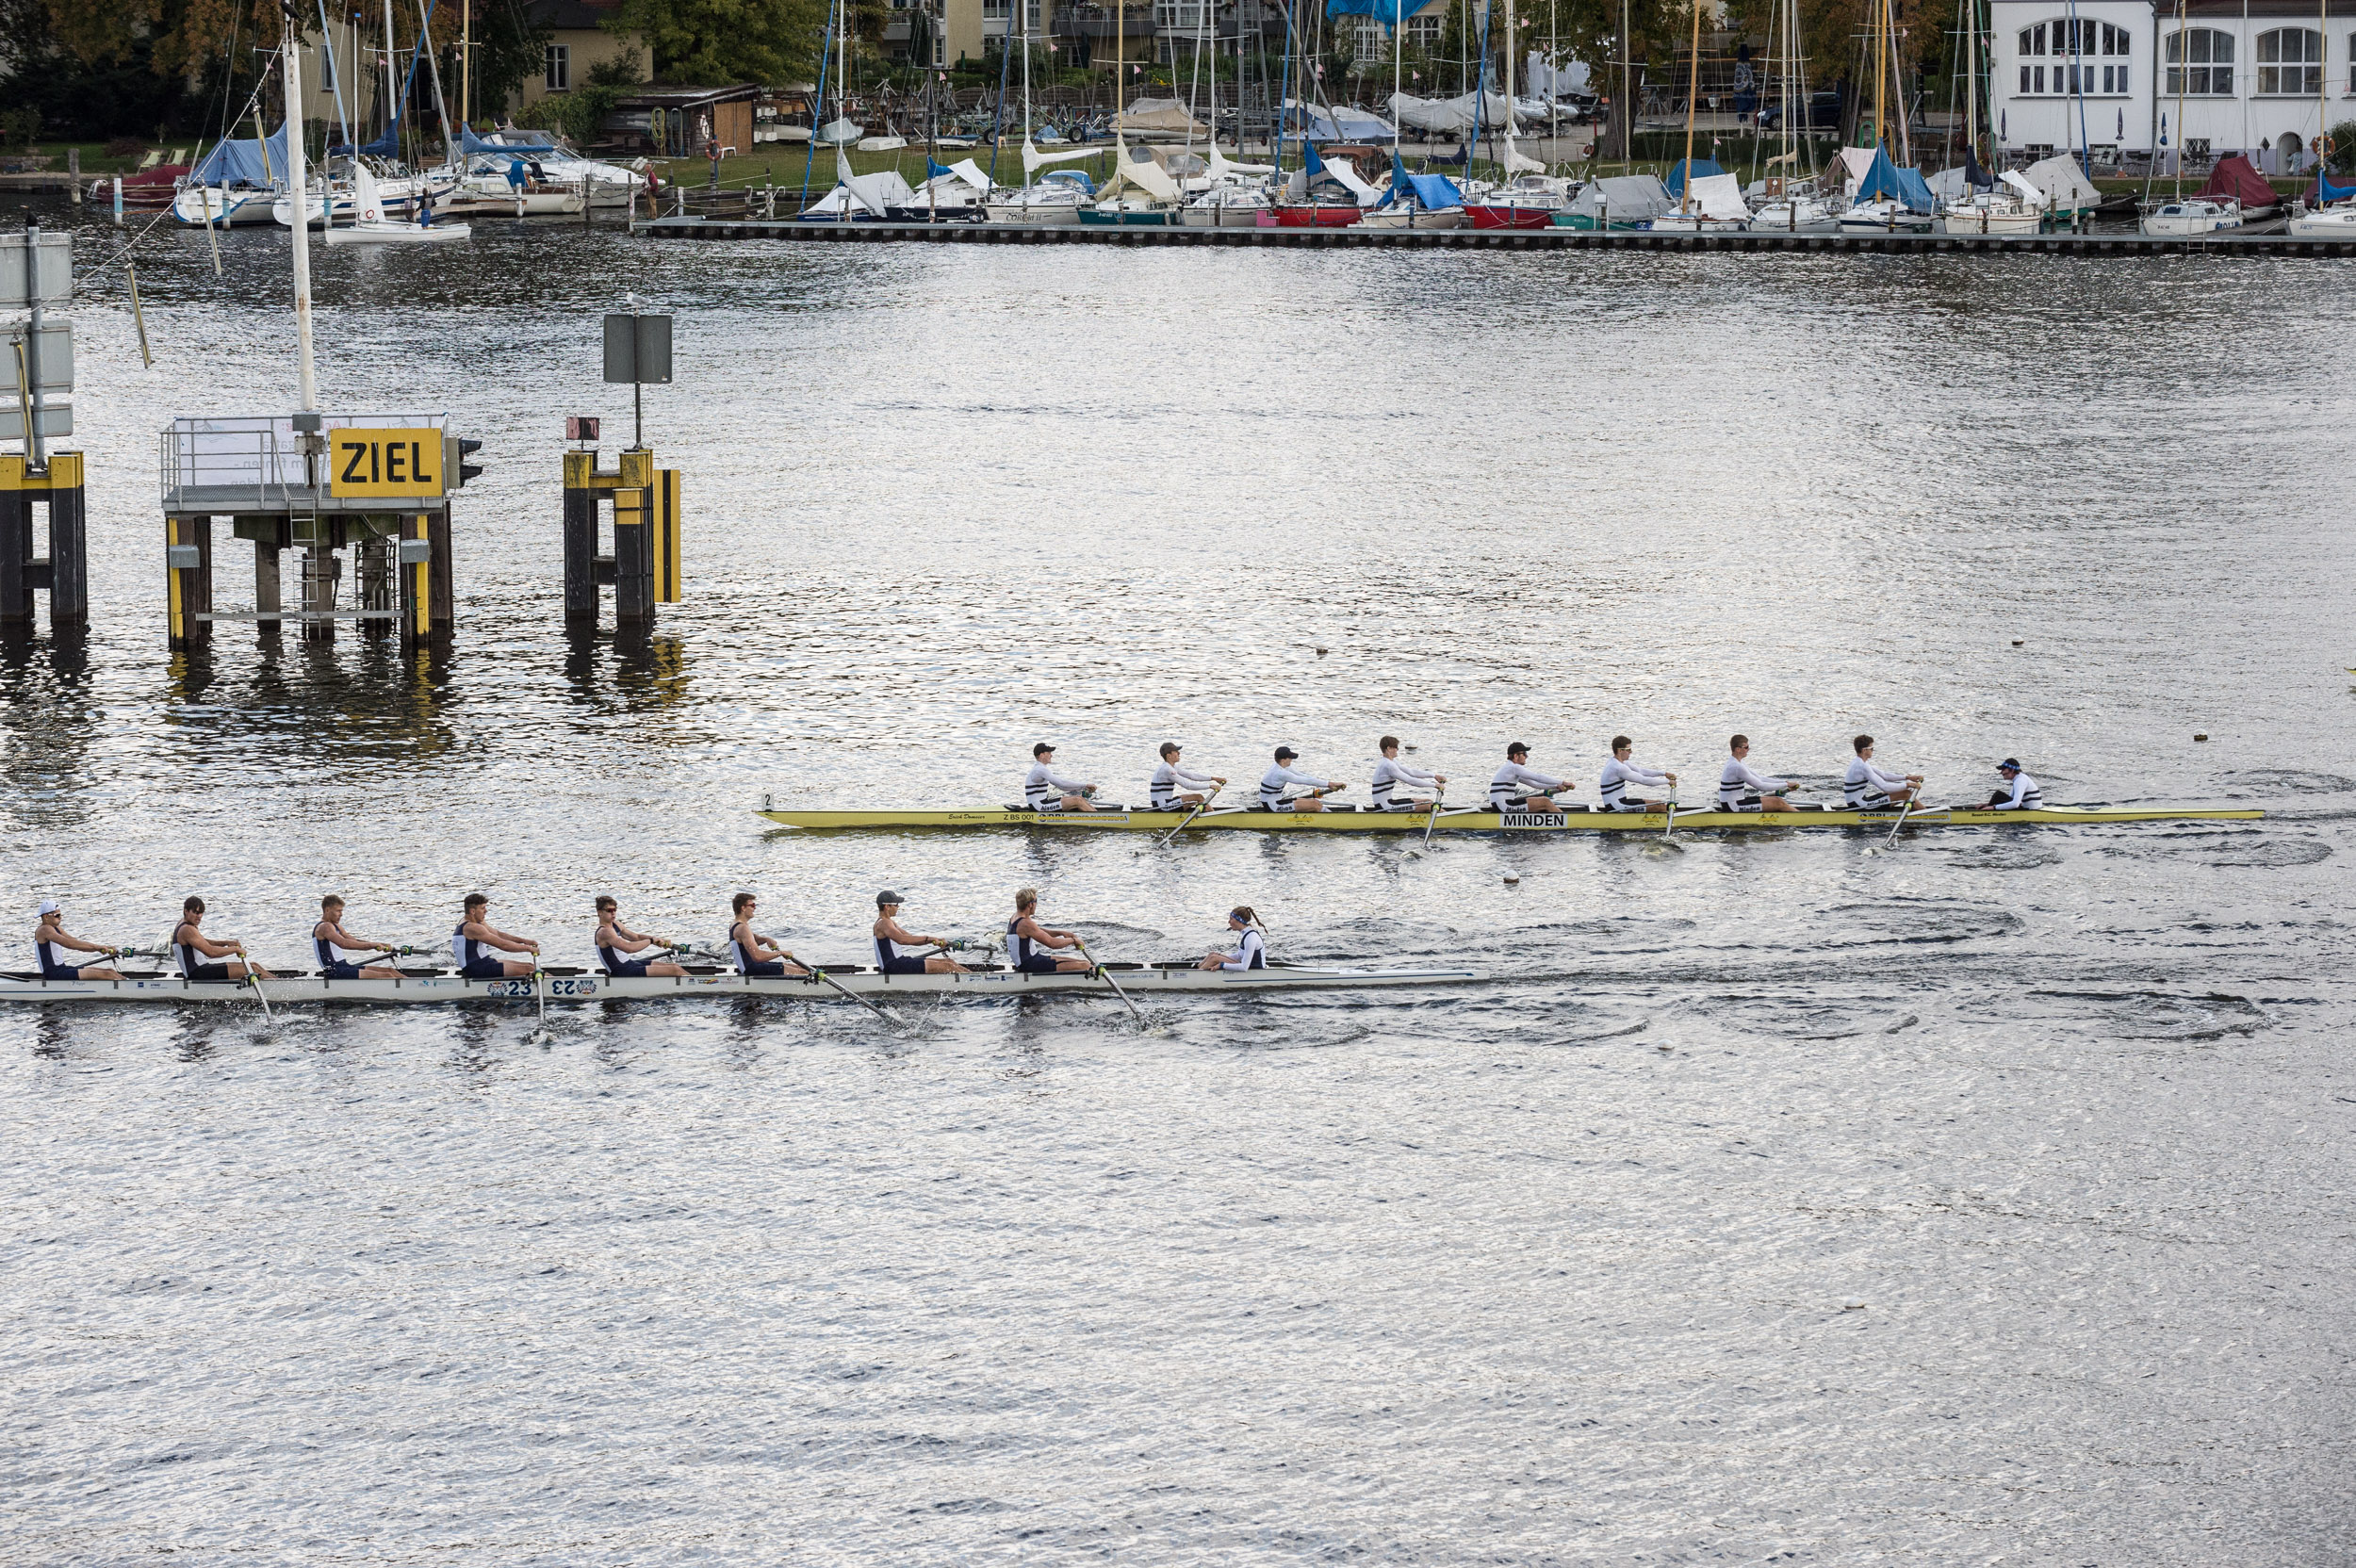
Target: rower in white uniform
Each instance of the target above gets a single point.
(1621, 772)
(758, 956)
(1867, 787)
(891, 935)
(342, 954)
(1251, 943)
(51, 943)
(615, 944)
(1399, 787)
(1519, 787)
(1045, 790)
(1281, 777)
(1741, 789)
(1175, 789)
(191, 947)
(1032, 947)
(2019, 793)
(477, 945)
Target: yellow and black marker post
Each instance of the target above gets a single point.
(64, 572)
(643, 566)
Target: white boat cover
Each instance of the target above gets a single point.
(970, 172)
(857, 193)
(1160, 116)
(1855, 163)
(841, 133)
(1451, 116)
(1626, 198)
(2064, 185)
(2029, 195)
(1033, 160)
(1138, 171)
(1336, 172)
(882, 143)
(1718, 196)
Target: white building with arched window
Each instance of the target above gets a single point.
(2125, 78)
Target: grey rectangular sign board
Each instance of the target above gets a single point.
(53, 366)
(638, 349)
(55, 420)
(52, 266)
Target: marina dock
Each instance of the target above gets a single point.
(2276, 244)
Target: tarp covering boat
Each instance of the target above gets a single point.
(2321, 191)
(1451, 116)
(1957, 184)
(1316, 172)
(235, 163)
(1339, 123)
(1159, 117)
(1883, 178)
(963, 171)
(1432, 192)
(2236, 179)
(524, 143)
(1718, 196)
(1133, 169)
(2067, 189)
(1622, 199)
(860, 195)
(1703, 169)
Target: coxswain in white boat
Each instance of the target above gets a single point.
(1536, 791)
(1045, 790)
(477, 945)
(756, 956)
(1281, 777)
(191, 946)
(1867, 787)
(2019, 793)
(891, 935)
(1251, 943)
(615, 944)
(1621, 772)
(51, 942)
(1029, 944)
(1742, 789)
(1175, 789)
(343, 955)
(1399, 787)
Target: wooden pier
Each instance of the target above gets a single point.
(2272, 244)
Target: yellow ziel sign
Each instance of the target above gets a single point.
(385, 463)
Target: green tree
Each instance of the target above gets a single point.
(709, 43)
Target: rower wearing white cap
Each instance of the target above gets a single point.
(51, 943)
(1397, 784)
(1866, 788)
(2019, 793)
(890, 935)
(1538, 790)
(1741, 789)
(1278, 778)
(1045, 790)
(1621, 772)
(1174, 788)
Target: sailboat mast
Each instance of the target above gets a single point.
(292, 53)
(392, 82)
(1693, 96)
(1512, 44)
(1881, 74)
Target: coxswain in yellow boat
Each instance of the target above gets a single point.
(1281, 777)
(477, 945)
(191, 947)
(2019, 793)
(1867, 787)
(1621, 772)
(1175, 789)
(1251, 943)
(756, 956)
(891, 935)
(51, 943)
(1399, 787)
(1045, 790)
(1741, 789)
(614, 942)
(343, 955)
(1538, 790)
(1029, 944)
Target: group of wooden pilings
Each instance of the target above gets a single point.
(644, 569)
(401, 561)
(54, 489)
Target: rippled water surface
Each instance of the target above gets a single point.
(1987, 1201)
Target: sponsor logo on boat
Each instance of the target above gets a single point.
(1532, 819)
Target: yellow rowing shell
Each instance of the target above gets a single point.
(1247, 821)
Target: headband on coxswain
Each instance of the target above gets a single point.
(2008, 765)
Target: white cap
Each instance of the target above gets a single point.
(48, 906)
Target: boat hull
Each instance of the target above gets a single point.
(1142, 982)
(1578, 821)
(1515, 217)
(1317, 217)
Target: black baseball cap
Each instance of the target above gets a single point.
(887, 896)
(1285, 753)
(1521, 746)
(1043, 748)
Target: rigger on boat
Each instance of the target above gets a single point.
(1043, 960)
(1521, 800)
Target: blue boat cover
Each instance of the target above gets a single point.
(1703, 169)
(1885, 178)
(1433, 192)
(1071, 177)
(235, 163)
(1385, 11)
(2324, 190)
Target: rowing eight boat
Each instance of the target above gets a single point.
(1578, 819)
(578, 985)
